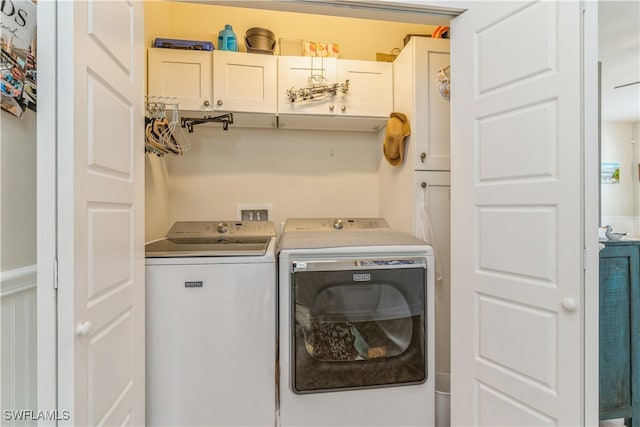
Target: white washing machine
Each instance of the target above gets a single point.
(211, 325)
(356, 325)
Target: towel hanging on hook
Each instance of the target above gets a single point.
(426, 232)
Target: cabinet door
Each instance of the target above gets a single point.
(619, 331)
(430, 126)
(433, 198)
(370, 88)
(183, 74)
(244, 82)
(297, 72)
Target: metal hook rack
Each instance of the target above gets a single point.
(317, 87)
(189, 122)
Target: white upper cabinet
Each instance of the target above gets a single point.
(370, 88)
(416, 94)
(364, 107)
(183, 74)
(244, 82)
(256, 88)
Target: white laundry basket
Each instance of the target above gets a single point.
(443, 398)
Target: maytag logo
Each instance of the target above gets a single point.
(192, 284)
(362, 277)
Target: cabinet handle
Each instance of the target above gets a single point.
(206, 103)
(423, 156)
(343, 108)
(219, 102)
(84, 329)
(332, 107)
(424, 184)
(569, 304)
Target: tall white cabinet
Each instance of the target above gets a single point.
(417, 194)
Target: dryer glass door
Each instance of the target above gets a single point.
(358, 324)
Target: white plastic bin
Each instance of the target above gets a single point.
(443, 398)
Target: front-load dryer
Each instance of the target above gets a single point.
(211, 325)
(356, 325)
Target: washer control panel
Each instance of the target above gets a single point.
(207, 229)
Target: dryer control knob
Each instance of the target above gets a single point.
(222, 227)
(338, 224)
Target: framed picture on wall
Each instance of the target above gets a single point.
(610, 173)
(18, 69)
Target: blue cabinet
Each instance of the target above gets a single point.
(620, 330)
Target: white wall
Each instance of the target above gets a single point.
(157, 220)
(18, 386)
(619, 202)
(357, 38)
(635, 135)
(301, 173)
(18, 225)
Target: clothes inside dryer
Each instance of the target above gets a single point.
(362, 332)
(356, 322)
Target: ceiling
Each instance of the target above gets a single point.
(619, 53)
(438, 12)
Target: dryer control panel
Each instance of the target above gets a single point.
(328, 224)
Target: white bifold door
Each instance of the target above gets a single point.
(100, 116)
(517, 215)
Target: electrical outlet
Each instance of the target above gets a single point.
(254, 212)
(254, 215)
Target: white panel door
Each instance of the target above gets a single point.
(430, 127)
(244, 82)
(370, 88)
(517, 206)
(182, 74)
(433, 207)
(101, 212)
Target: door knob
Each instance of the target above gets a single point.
(423, 156)
(83, 329)
(219, 102)
(569, 304)
(206, 103)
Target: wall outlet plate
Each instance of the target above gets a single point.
(253, 212)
